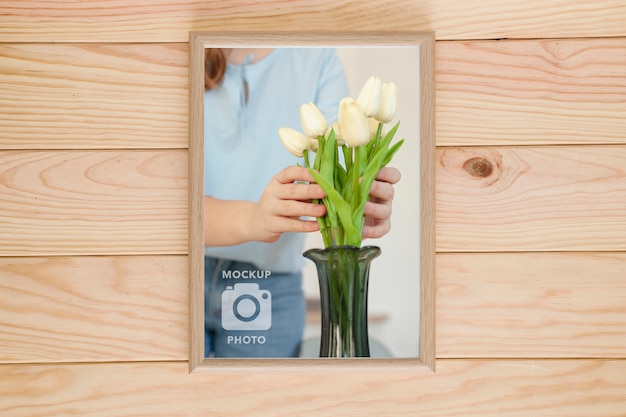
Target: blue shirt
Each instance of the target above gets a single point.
(242, 150)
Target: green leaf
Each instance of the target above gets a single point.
(372, 144)
(318, 154)
(340, 176)
(341, 206)
(361, 157)
(331, 212)
(391, 152)
(329, 157)
(347, 156)
(368, 178)
(392, 132)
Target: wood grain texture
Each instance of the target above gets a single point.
(88, 309)
(93, 202)
(428, 208)
(531, 92)
(112, 75)
(461, 388)
(545, 198)
(135, 96)
(170, 21)
(93, 96)
(196, 201)
(531, 305)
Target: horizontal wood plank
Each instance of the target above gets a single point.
(460, 388)
(135, 96)
(567, 305)
(531, 92)
(574, 194)
(93, 202)
(167, 21)
(93, 96)
(543, 198)
(88, 309)
(489, 305)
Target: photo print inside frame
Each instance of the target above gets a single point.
(261, 299)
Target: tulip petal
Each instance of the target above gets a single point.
(370, 97)
(353, 123)
(389, 103)
(295, 142)
(313, 121)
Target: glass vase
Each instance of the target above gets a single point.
(343, 273)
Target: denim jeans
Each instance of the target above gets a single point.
(251, 313)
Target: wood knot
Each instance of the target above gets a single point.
(478, 167)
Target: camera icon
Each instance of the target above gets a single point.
(246, 307)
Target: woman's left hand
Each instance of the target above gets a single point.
(378, 209)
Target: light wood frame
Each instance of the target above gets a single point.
(198, 41)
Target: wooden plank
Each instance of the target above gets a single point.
(93, 309)
(544, 198)
(93, 96)
(135, 96)
(167, 21)
(460, 388)
(568, 305)
(93, 202)
(531, 92)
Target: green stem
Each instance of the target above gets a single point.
(323, 220)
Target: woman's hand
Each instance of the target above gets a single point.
(283, 202)
(378, 208)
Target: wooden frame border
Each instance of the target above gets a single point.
(198, 41)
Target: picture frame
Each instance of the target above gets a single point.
(425, 41)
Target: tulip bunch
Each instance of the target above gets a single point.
(348, 155)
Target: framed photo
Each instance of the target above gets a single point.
(402, 283)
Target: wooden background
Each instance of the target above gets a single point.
(531, 211)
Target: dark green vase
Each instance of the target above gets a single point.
(343, 273)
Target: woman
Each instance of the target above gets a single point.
(257, 202)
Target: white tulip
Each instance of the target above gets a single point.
(313, 121)
(334, 126)
(353, 124)
(370, 96)
(313, 143)
(389, 103)
(295, 142)
(373, 125)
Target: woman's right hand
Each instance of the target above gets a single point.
(284, 201)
